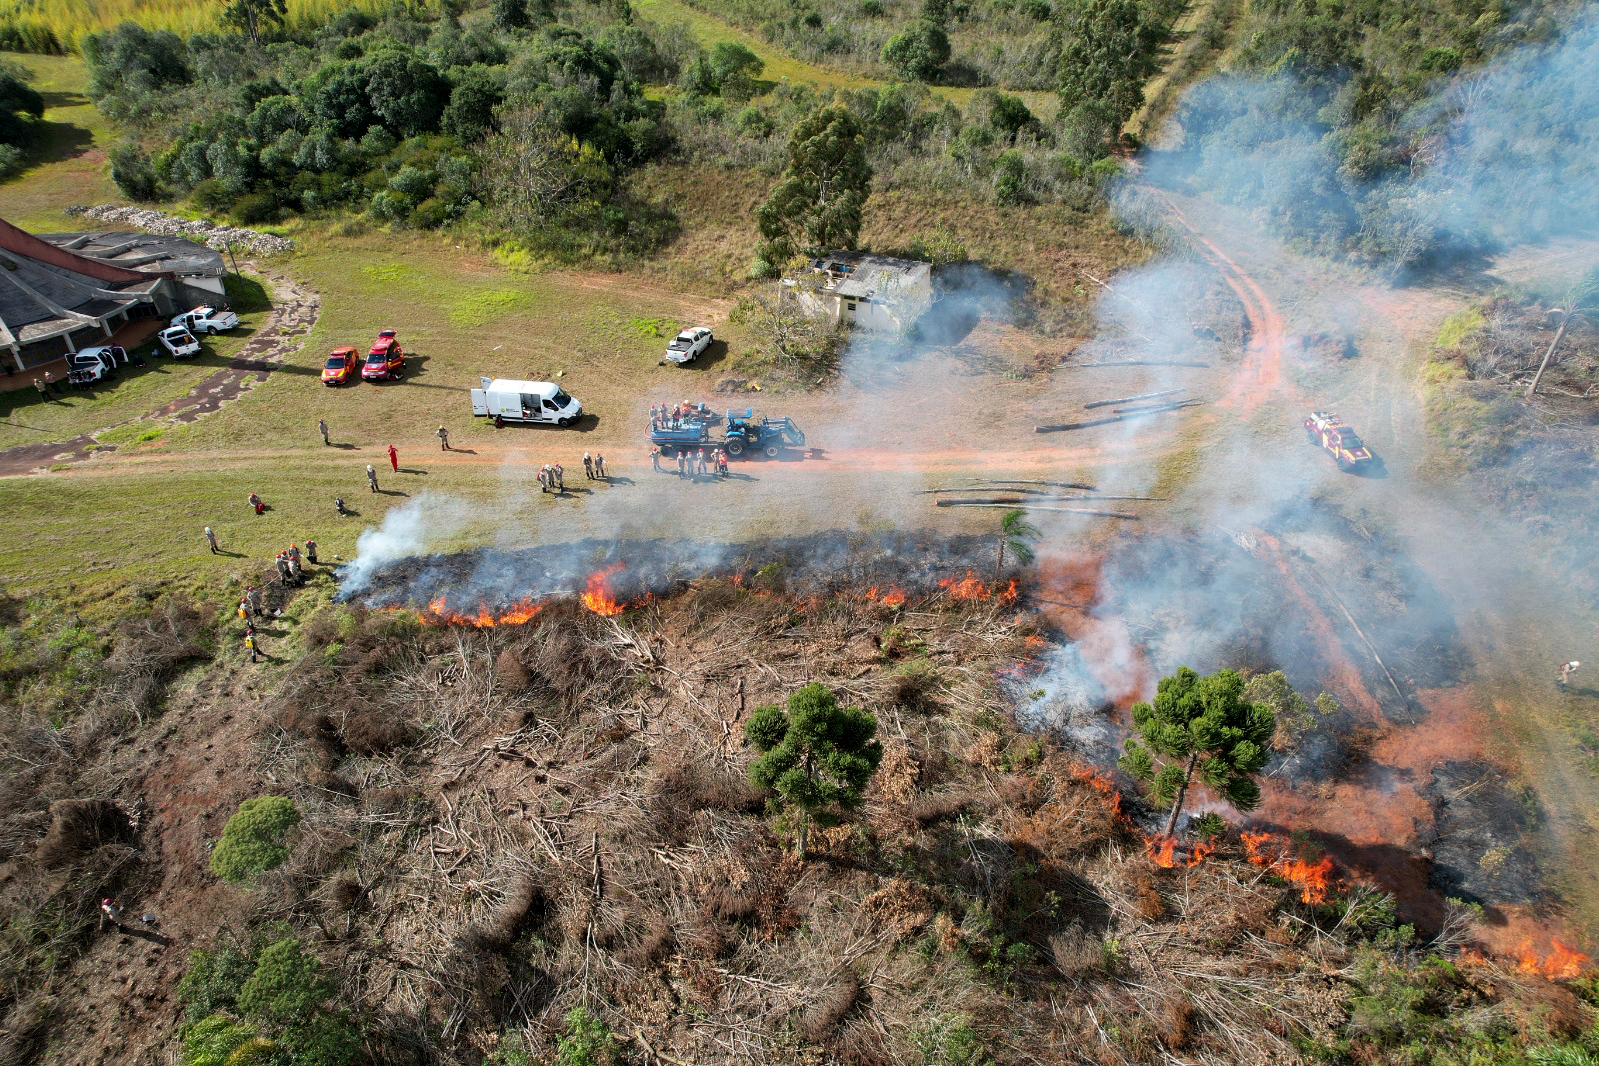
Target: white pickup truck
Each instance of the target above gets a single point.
(206, 320)
(525, 401)
(688, 345)
(93, 364)
(179, 342)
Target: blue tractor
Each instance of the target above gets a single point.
(742, 433)
(769, 435)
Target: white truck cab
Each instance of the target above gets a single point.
(207, 320)
(525, 401)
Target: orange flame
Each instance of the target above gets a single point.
(1162, 851)
(1100, 784)
(1314, 880)
(972, 587)
(888, 598)
(437, 614)
(1560, 963)
(597, 595)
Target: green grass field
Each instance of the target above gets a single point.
(134, 516)
(54, 25)
(781, 67)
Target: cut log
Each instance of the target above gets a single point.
(1130, 399)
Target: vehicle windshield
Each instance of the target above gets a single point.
(181, 338)
(377, 358)
(336, 362)
(1350, 441)
(561, 398)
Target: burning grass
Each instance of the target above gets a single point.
(580, 830)
(504, 821)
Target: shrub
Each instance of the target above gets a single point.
(252, 841)
(256, 207)
(213, 982)
(11, 160)
(587, 1041)
(131, 173)
(919, 53)
(287, 985)
(223, 1041)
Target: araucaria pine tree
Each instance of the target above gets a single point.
(1199, 727)
(816, 756)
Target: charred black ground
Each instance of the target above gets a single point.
(816, 564)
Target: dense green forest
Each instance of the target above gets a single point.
(518, 122)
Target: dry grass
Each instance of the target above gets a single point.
(600, 845)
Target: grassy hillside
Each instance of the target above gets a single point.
(54, 26)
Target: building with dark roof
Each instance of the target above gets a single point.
(67, 291)
(195, 265)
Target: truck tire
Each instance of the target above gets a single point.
(735, 446)
(771, 451)
(668, 452)
(564, 422)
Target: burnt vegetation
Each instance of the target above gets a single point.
(1537, 457)
(523, 840)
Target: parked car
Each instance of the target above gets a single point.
(207, 320)
(688, 345)
(340, 367)
(385, 360)
(178, 342)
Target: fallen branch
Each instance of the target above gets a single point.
(1314, 573)
(1017, 501)
(1163, 409)
(1131, 399)
(1145, 362)
(1030, 507)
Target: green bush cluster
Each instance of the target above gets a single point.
(398, 118)
(21, 108)
(253, 840)
(270, 1007)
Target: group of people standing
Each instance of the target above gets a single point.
(674, 417)
(694, 462)
(552, 476)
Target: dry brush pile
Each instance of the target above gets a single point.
(502, 824)
(506, 823)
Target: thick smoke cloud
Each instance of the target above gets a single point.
(415, 527)
(1497, 157)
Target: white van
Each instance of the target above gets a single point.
(525, 401)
